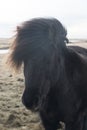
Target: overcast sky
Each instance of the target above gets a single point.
(72, 13)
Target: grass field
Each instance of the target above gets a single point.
(5, 43)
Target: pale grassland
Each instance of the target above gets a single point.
(5, 43)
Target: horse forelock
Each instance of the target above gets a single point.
(36, 39)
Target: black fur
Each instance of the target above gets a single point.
(55, 75)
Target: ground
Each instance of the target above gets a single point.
(13, 115)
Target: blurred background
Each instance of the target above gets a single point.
(72, 13)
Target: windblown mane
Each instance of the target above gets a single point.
(55, 74)
(36, 38)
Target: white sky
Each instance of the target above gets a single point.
(72, 13)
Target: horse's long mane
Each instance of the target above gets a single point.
(35, 39)
(55, 74)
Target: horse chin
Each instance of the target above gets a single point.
(33, 108)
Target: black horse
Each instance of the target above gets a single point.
(55, 74)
